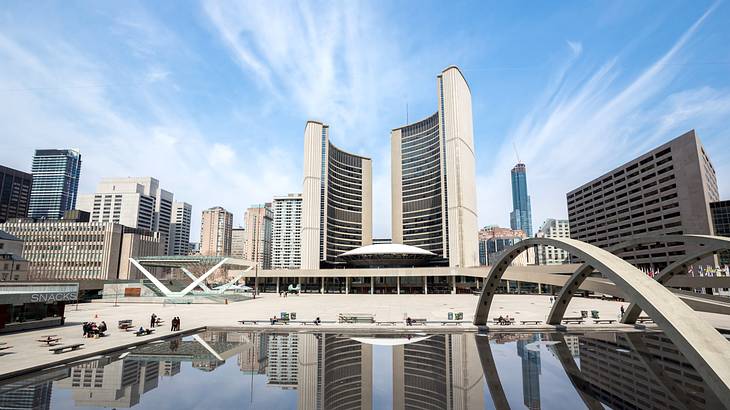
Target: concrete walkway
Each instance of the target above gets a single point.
(28, 354)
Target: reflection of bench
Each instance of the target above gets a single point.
(576, 320)
(449, 322)
(61, 349)
(533, 322)
(144, 332)
(356, 318)
(386, 323)
(644, 319)
(609, 321)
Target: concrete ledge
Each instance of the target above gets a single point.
(86, 353)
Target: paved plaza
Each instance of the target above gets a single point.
(28, 354)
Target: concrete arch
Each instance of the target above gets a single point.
(710, 244)
(706, 349)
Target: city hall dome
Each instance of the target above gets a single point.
(387, 255)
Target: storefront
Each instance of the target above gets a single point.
(26, 306)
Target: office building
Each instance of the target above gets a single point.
(182, 213)
(259, 224)
(13, 267)
(493, 240)
(521, 215)
(553, 228)
(68, 249)
(133, 202)
(667, 190)
(286, 244)
(721, 224)
(215, 232)
(15, 187)
(238, 242)
(56, 175)
(433, 177)
(336, 200)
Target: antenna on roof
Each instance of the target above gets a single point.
(517, 154)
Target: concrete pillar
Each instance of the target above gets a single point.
(453, 285)
(397, 284)
(347, 286)
(539, 288)
(425, 285)
(372, 285)
(277, 284)
(518, 287)
(321, 289)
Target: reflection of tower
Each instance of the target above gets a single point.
(169, 368)
(530, 372)
(116, 384)
(36, 396)
(441, 372)
(334, 373)
(252, 358)
(282, 370)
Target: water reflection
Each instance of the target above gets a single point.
(337, 371)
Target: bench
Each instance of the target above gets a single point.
(254, 321)
(49, 340)
(418, 321)
(534, 322)
(356, 318)
(504, 321)
(644, 319)
(6, 347)
(61, 349)
(609, 321)
(576, 320)
(144, 332)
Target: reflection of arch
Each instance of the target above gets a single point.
(710, 245)
(701, 344)
(490, 373)
(571, 369)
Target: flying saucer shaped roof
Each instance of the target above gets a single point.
(388, 249)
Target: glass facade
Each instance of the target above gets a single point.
(14, 193)
(721, 223)
(55, 182)
(521, 216)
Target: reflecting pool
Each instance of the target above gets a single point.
(241, 370)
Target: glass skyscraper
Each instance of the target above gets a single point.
(521, 216)
(55, 182)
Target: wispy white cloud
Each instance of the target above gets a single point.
(580, 129)
(56, 96)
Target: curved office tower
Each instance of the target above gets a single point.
(336, 199)
(433, 177)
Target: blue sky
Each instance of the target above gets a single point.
(211, 97)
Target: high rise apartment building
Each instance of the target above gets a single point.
(182, 213)
(15, 187)
(493, 240)
(665, 191)
(259, 224)
(336, 200)
(521, 215)
(215, 232)
(286, 239)
(238, 242)
(433, 177)
(56, 175)
(133, 202)
(553, 228)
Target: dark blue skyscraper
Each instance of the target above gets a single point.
(521, 216)
(55, 182)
